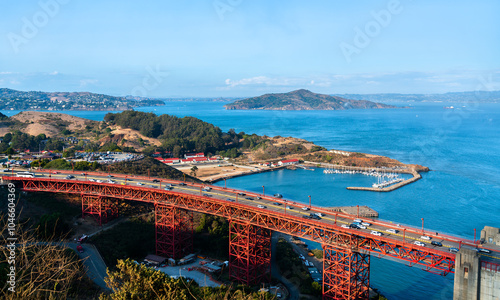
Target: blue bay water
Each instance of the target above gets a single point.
(460, 146)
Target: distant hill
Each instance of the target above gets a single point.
(35, 100)
(461, 97)
(303, 100)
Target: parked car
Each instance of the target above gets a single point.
(79, 248)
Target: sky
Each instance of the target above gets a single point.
(239, 48)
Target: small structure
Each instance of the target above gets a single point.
(288, 162)
(155, 259)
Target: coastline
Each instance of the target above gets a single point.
(212, 173)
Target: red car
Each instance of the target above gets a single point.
(55, 172)
(79, 248)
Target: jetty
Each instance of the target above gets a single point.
(382, 187)
(416, 176)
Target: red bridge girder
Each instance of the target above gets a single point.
(249, 253)
(346, 274)
(434, 260)
(174, 231)
(101, 208)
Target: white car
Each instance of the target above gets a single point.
(319, 214)
(419, 243)
(140, 183)
(366, 224)
(305, 208)
(392, 230)
(261, 206)
(374, 232)
(344, 226)
(425, 237)
(361, 226)
(207, 188)
(110, 181)
(358, 221)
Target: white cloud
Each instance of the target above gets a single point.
(54, 73)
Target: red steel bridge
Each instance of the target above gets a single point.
(252, 218)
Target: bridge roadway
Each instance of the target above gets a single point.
(406, 235)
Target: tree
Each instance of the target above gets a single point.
(193, 170)
(69, 153)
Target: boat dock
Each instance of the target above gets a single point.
(416, 176)
(377, 187)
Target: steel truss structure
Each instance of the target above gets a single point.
(101, 208)
(346, 273)
(174, 231)
(327, 234)
(249, 253)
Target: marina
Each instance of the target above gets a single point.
(387, 179)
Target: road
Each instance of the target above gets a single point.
(372, 227)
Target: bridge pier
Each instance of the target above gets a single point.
(346, 273)
(174, 231)
(101, 208)
(249, 253)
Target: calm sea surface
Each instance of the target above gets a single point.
(461, 146)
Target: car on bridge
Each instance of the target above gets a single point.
(436, 243)
(289, 207)
(377, 233)
(140, 183)
(453, 250)
(425, 237)
(366, 224)
(482, 250)
(278, 196)
(241, 194)
(277, 203)
(230, 199)
(261, 206)
(345, 226)
(394, 231)
(207, 188)
(249, 198)
(69, 177)
(419, 243)
(156, 180)
(168, 188)
(358, 221)
(182, 184)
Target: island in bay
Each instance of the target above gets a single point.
(303, 100)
